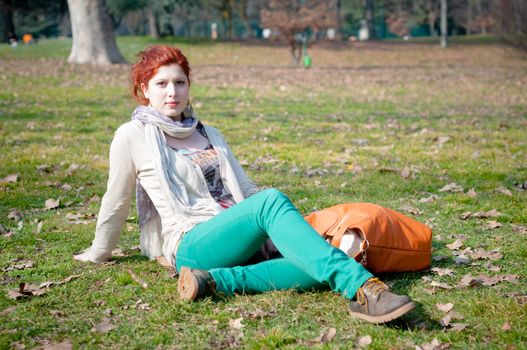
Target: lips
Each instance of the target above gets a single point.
(172, 104)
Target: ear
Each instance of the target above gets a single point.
(144, 89)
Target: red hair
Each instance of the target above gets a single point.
(149, 61)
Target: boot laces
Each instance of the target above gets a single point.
(375, 287)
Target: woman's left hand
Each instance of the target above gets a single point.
(268, 249)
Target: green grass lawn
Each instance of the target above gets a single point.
(389, 123)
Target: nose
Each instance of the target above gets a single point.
(171, 89)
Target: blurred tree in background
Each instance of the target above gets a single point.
(32, 16)
(511, 21)
(299, 22)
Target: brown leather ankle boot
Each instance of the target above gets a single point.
(376, 304)
(195, 284)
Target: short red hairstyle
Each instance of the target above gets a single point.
(149, 61)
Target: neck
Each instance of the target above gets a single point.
(176, 118)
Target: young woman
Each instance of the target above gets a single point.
(199, 210)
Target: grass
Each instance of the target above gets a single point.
(456, 115)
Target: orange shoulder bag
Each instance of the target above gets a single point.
(390, 241)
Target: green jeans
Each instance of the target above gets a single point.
(222, 244)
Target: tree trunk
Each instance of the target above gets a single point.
(444, 26)
(480, 12)
(370, 20)
(152, 23)
(7, 19)
(93, 39)
(339, 19)
(469, 17)
(432, 15)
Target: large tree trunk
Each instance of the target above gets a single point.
(444, 26)
(93, 39)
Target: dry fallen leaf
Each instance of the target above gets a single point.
(472, 193)
(93, 199)
(4, 231)
(441, 140)
(492, 225)
(480, 214)
(487, 214)
(236, 323)
(8, 310)
(443, 272)
(66, 187)
(428, 199)
(324, 337)
(493, 280)
(52, 203)
(452, 315)
(363, 341)
(451, 187)
(39, 227)
(405, 173)
(492, 268)
(18, 346)
(504, 191)
(140, 305)
(136, 278)
(440, 285)
(20, 266)
(469, 281)
(519, 229)
(25, 290)
(29, 290)
(433, 345)
(71, 216)
(104, 326)
(73, 168)
(457, 327)
(458, 243)
(483, 254)
(64, 345)
(445, 321)
(9, 179)
(15, 215)
(45, 168)
(412, 210)
(521, 299)
(445, 307)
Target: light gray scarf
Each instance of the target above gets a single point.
(172, 186)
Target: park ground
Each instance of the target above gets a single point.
(438, 134)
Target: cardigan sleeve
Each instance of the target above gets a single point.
(115, 204)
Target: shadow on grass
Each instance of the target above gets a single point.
(130, 259)
(415, 320)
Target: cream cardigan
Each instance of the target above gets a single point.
(130, 160)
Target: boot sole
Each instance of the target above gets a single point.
(188, 285)
(387, 317)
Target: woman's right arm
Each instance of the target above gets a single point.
(115, 204)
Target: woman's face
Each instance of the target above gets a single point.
(168, 91)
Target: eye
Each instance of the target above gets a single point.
(161, 83)
(180, 82)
